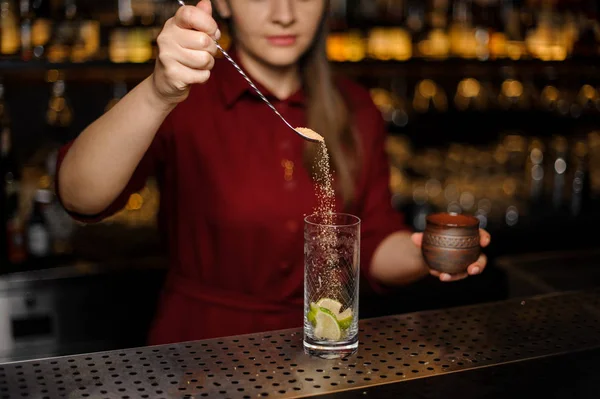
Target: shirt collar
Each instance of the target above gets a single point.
(234, 87)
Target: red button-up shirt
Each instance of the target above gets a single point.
(234, 193)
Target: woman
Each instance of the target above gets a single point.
(235, 181)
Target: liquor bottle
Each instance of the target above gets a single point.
(415, 21)
(494, 24)
(59, 114)
(534, 176)
(27, 19)
(132, 40)
(118, 50)
(580, 180)
(86, 45)
(125, 9)
(559, 169)
(436, 43)
(513, 29)
(365, 12)
(10, 37)
(38, 230)
(12, 232)
(338, 15)
(483, 13)
(3, 110)
(16, 251)
(588, 42)
(65, 31)
(140, 34)
(36, 28)
(462, 35)
(41, 30)
(60, 224)
(4, 150)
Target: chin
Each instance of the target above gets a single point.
(280, 56)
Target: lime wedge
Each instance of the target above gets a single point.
(345, 319)
(326, 326)
(313, 313)
(330, 304)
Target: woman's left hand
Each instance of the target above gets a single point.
(473, 269)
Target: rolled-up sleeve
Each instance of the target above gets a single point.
(146, 168)
(379, 218)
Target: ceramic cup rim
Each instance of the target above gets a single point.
(355, 220)
(468, 221)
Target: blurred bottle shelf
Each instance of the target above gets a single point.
(481, 30)
(90, 71)
(449, 77)
(95, 249)
(366, 36)
(107, 71)
(59, 268)
(458, 67)
(546, 191)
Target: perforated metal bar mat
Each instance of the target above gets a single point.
(392, 349)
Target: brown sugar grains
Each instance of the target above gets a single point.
(311, 134)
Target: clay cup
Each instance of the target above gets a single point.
(451, 242)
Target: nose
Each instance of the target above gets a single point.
(282, 12)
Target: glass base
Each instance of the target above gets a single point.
(330, 350)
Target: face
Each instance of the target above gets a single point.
(275, 32)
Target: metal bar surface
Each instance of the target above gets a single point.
(392, 350)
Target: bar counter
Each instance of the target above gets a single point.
(542, 346)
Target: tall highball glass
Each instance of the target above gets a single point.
(331, 277)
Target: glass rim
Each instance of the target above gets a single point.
(356, 220)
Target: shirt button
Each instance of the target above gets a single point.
(285, 266)
(285, 145)
(290, 185)
(291, 226)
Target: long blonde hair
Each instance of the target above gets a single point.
(327, 113)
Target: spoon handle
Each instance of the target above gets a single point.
(237, 67)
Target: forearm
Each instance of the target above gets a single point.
(103, 158)
(397, 261)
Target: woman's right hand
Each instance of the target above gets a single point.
(186, 51)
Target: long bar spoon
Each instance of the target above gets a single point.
(305, 133)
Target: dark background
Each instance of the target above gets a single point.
(102, 293)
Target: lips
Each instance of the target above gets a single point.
(282, 40)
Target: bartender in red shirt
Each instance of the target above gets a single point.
(236, 182)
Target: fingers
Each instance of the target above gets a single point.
(193, 40)
(196, 59)
(195, 18)
(478, 266)
(186, 51)
(205, 5)
(417, 239)
(473, 270)
(446, 278)
(484, 238)
(182, 76)
(191, 48)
